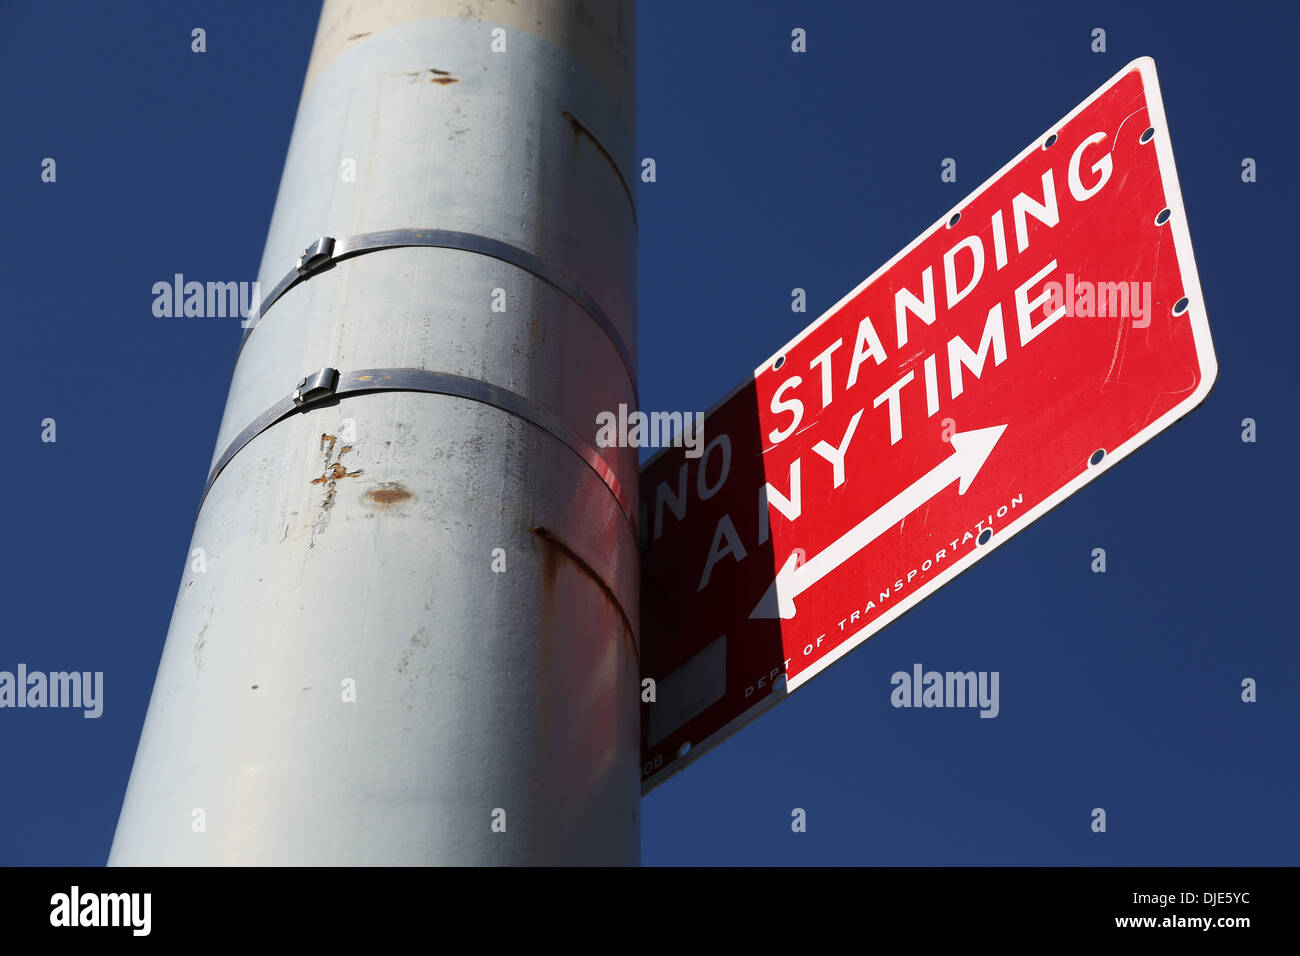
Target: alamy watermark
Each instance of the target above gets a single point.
(948, 689)
(75, 908)
(84, 690)
(1084, 298)
(205, 300)
(651, 430)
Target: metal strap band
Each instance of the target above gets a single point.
(325, 251)
(327, 383)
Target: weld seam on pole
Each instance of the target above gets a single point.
(325, 251)
(553, 539)
(332, 385)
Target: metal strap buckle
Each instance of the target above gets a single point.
(316, 256)
(316, 386)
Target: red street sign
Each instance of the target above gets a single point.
(1046, 327)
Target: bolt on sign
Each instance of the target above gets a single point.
(1039, 333)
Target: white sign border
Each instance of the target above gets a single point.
(1195, 315)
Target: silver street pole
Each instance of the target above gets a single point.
(407, 628)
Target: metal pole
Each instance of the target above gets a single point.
(407, 628)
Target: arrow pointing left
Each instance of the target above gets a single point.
(970, 450)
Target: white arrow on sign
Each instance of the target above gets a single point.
(970, 450)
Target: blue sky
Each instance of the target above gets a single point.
(775, 170)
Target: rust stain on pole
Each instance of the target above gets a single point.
(389, 493)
